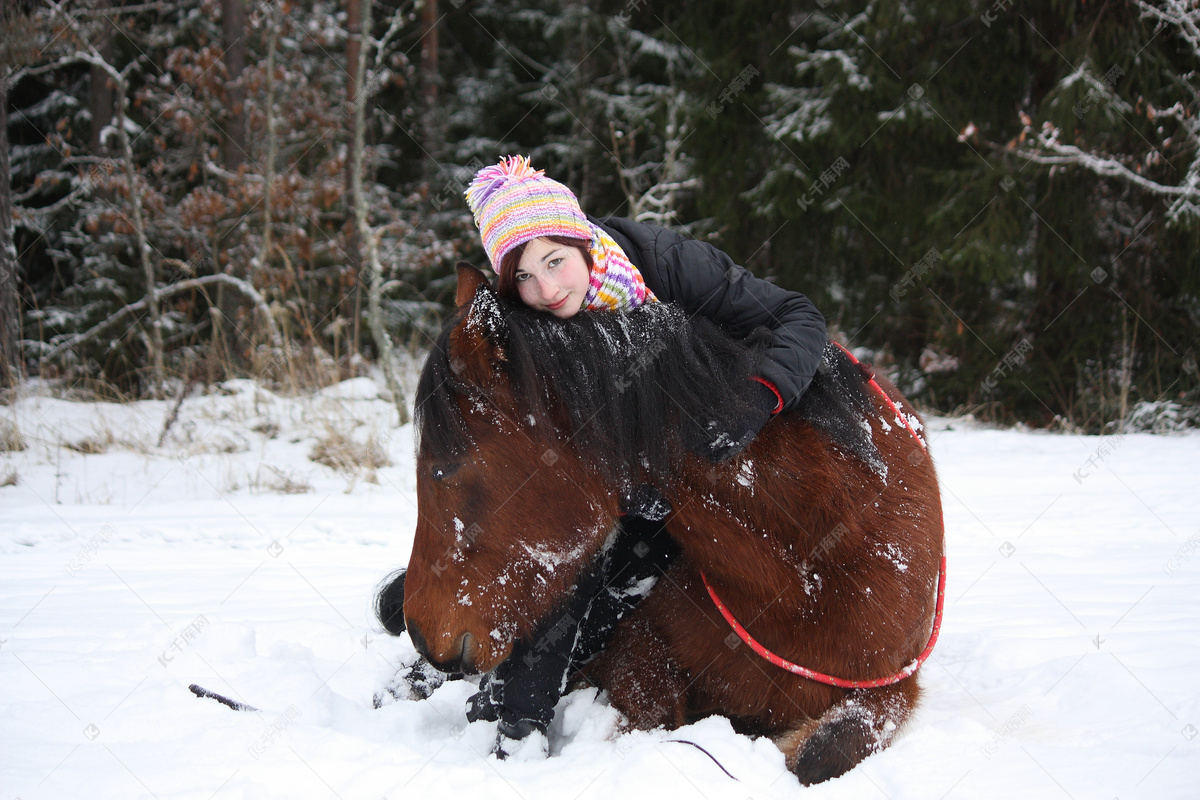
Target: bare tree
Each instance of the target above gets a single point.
(17, 47)
(120, 81)
(356, 48)
(369, 237)
(100, 97)
(10, 361)
(430, 77)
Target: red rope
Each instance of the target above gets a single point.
(821, 677)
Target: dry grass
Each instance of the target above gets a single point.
(11, 440)
(92, 445)
(267, 429)
(298, 369)
(340, 452)
(271, 479)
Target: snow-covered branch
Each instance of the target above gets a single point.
(1184, 14)
(1184, 197)
(1108, 166)
(161, 294)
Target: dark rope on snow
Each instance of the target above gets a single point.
(200, 691)
(710, 755)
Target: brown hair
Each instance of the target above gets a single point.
(507, 284)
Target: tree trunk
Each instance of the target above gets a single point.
(100, 98)
(264, 256)
(383, 341)
(157, 368)
(430, 79)
(234, 40)
(10, 357)
(356, 96)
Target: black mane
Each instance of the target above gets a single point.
(634, 389)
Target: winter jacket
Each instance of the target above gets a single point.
(702, 279)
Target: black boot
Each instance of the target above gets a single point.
(522, 692)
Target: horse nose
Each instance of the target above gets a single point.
(461, 658)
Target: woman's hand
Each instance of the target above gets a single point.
(727, 438)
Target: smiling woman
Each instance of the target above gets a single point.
(552, 274)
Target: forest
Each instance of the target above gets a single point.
(997, 202)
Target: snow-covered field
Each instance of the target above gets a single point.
(1067, 666)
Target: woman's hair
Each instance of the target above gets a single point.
(507, 285)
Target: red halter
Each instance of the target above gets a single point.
(829, 679)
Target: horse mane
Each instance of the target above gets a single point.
(837, 403)
(629, 392)
(437, 420)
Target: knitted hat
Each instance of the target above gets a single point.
(514, 203)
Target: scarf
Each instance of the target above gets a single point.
(616, 284)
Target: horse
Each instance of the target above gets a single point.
(822, 541)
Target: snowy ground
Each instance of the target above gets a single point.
(1067, 665)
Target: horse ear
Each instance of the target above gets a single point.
(475, 342)
(469, 281)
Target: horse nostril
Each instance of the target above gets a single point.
(466, 660)
(460, 660)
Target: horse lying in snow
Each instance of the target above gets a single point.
(823, 539)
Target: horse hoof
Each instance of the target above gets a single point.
(833, 749)
(416, 681)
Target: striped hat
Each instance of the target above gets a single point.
(513, 203)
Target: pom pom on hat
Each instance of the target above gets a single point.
(489, 179)
(513, 203)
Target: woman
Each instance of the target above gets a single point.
(552, 257)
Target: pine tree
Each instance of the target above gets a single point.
(925, 245)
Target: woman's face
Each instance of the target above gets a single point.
(552, 277)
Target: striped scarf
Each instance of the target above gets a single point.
(616, 284)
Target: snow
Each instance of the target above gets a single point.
(550, 559)
(1066, 665)
(745, 475)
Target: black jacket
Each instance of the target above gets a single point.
(704, 280)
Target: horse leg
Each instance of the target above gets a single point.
(642, 680)
(862, 723)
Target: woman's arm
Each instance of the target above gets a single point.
(704, 280)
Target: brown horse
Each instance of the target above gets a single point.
(823, 538)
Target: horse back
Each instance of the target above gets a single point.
(824, 538)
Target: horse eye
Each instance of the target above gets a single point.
(444, 471)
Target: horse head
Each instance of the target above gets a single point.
(507, 514)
